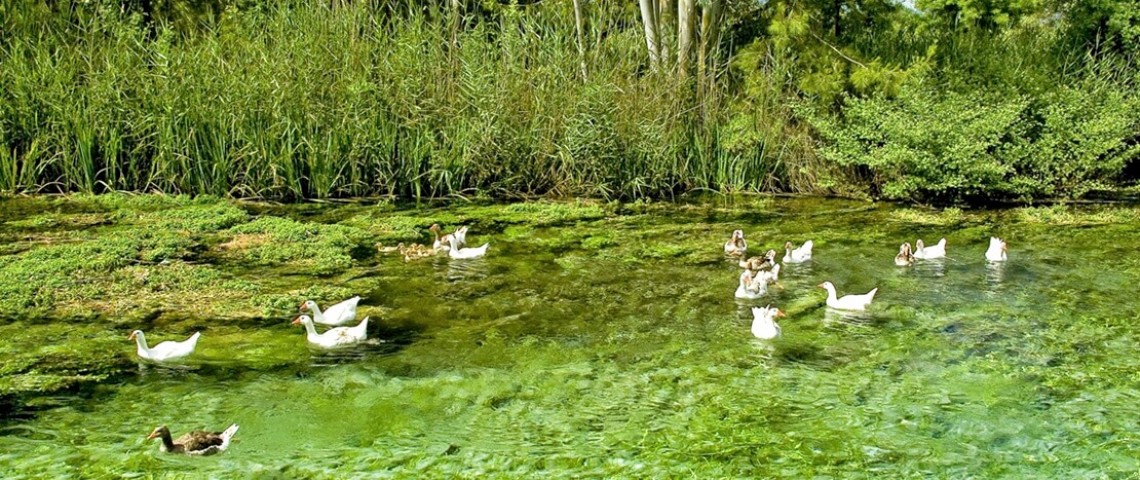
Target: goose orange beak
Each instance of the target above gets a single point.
(302, 307)
(152, 436)
(780, 313)
(819, 286)
(132, 336)
(296, 321)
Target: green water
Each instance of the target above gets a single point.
(614, 347)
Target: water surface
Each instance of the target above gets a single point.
(614, 348)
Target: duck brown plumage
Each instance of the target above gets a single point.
(197, 442)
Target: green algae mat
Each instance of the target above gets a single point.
(594, 340)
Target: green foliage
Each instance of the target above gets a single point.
(318, 249)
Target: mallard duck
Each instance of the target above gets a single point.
(415, 251)
(798, 255)
(736, 246)
(749, 288)
(760, 263)
(443, 242)
(194, 443)
(460, 253)
(764, 322)
(905, 257)
(922, 252)
(164, 351)
(339, 314)
(996, 252)
(847, 302)
(333, 337)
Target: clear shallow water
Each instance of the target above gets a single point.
(615, 348)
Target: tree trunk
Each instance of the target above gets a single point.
(710, 20)
(649, 20)
(666, 26)
(686, 30)
(581, 43)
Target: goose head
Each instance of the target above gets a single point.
(135, 334)
(827, 286)
(302, 320)
(159, 431)
(308, 305)
(918, 244)
(434, 228)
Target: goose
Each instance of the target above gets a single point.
(462, 253)
(339, 314)
(847, 302)
(923, 252)
(749, 288)
(905, 257)
(197, 442)
(769, 276)
(164, 351)
(736, 245)
(333, 337)
(443, 242)
(996, 252)
(764, 322)
(760, 263)
(798, 255)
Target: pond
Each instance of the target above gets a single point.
(593, 340)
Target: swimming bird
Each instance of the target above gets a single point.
(164, 351)
(339, 314)
(764, 322)
(333, 337)
(463, 253)
(415, 251)
(443, 242)
(923, 252)
(760, 263)
(736, 245)
(905, 257)
(798, 255)
(769, 276)
(847, 302)
(996, 252)
(749, 288)
(194, 443)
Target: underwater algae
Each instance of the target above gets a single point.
(594, 340)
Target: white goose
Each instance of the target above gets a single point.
(339, 314)
(463, 253)
(798, 255)
(923, 252)
(164, 351)
(847, 302)
(736, 246)
(333, 337)
(443, 242)
(769, 276)
(764, 322)
(749, 288)
(996, 252)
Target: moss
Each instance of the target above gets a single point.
(316, 248)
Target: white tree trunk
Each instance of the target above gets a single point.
(581, 43)
(649, 20)
(686, 30)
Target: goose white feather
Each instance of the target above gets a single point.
(923, 252)
(749, 288)
(764, 324)
(847, 302)
(339, 314)
(464, 253)
(997, 250)
(164, 351)
(769, 276)
(798, 255)
(736, 245)
(333, 337)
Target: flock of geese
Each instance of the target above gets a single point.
(200, 442)
(761, 271)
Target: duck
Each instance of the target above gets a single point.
(459, 253)
(923, 252)
(736, 246)
(750, 288)
(798, 255)
(996, 252)
(760, 263)
(847, 302)
(339, 314)
(443, 242)
(764, 322)
(769, 276)
(197, 442)
(905, 258)
(164, 351)
(333, 337)
(414, 251)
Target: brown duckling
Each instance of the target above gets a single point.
(415, 251)
(197, 442)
